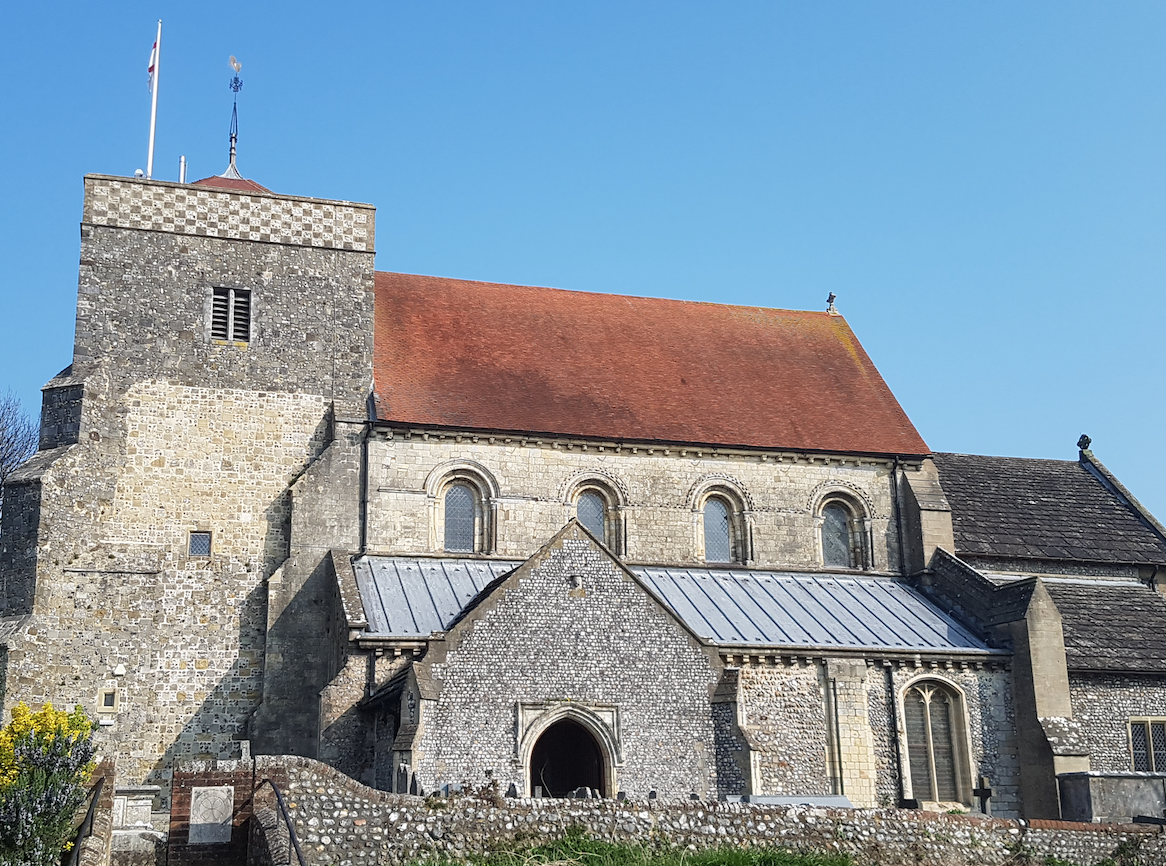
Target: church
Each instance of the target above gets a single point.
(436, 532)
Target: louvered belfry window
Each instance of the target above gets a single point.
(460, 514)
(231, 315)
(929, 713)
(1148, 745)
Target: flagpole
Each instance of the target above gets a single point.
(154, 100)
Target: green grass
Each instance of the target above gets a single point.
(578, 850)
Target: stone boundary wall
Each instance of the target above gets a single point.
(211, 212)
(339, 821)
(95, 847)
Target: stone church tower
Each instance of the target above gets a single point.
(223, 354)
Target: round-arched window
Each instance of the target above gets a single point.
(460, 514)
(837, 549)
(591, 510)
(718, 536)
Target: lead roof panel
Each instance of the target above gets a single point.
(780, 609)
(408, 597)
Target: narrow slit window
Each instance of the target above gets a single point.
(231, 315)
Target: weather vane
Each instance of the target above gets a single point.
(236, 85)
(236, 82)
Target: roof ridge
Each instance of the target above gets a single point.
(1002, 457)
(601, 293)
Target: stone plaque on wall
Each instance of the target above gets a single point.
(210, 814)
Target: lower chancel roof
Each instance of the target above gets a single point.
(413, 597)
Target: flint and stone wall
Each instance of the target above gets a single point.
(1103, 705)
(543, 641)
(784, 721)
(339, 821)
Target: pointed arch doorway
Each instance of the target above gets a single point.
(566, 757)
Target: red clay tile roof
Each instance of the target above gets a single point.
(483, 356)
(238, 184)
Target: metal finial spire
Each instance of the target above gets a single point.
(236, 85)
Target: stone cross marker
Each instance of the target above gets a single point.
(210, 815)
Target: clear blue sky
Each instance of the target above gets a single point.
(981, 184)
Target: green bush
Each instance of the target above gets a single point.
(46, 759)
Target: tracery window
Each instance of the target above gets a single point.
(460, 519)
(932, 716)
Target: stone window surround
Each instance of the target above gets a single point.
(599, 720)
(615, 520)
(485, 487)
(106, 709)
(731, 492)
(966, 772)
(1157, 762)
(861, 525)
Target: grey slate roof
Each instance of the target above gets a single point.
(1111, 626)
(407, 597)
(1019, 508)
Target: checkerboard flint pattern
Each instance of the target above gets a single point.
(222, 214)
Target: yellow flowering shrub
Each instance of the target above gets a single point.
(46, 725)
(46, 760)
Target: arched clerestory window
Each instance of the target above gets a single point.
(836, 545)
(596, 501)
(718, 530)
(933, 722)
(462, 497)
(591, 510)
(461, 518)
(842, 532)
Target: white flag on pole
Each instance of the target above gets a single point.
(152, 67)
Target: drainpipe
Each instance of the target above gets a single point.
(898, 514)
(364, 475)
(837, 737)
